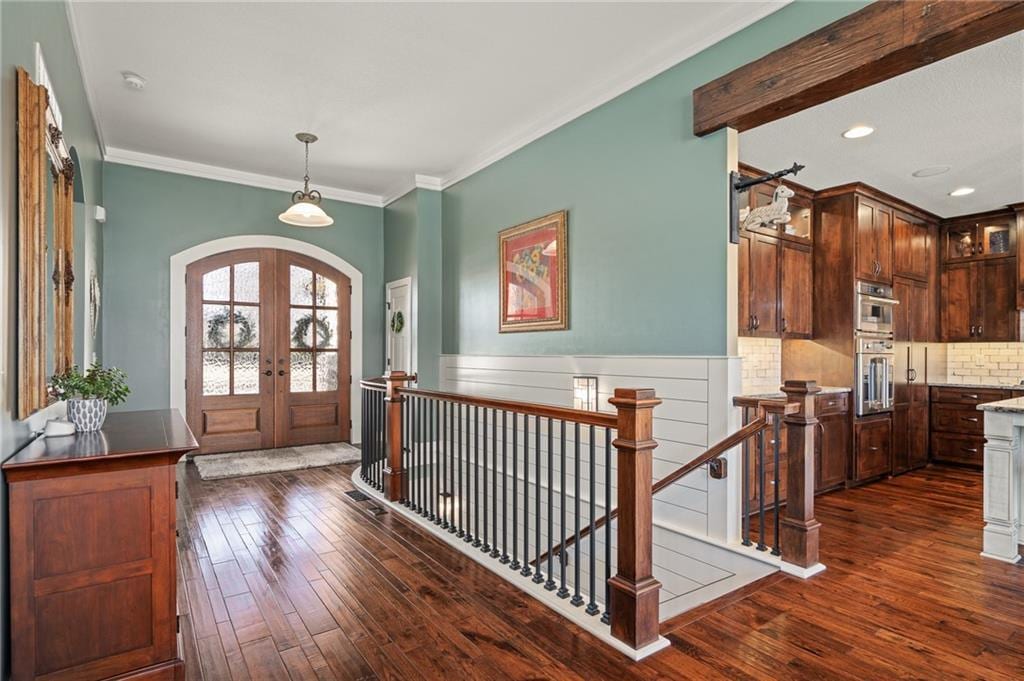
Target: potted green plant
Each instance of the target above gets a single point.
(89, 394)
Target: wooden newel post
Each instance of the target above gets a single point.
(394, 472)
(799, 532)
(633, 589)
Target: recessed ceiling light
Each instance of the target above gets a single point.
(133, 80)
(858, 131)
(931, 171)
(962, 191)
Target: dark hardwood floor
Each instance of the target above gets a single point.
(284, 576)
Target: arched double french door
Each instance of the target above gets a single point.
(268, 350)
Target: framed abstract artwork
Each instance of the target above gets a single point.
(533, 275)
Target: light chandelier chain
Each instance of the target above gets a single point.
(306, 179)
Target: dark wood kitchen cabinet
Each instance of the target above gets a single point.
(795, 285)
(910, 428)
(874, 241)
(978, 301)
(775, 279)
(958, 426)
(832, 445)
(872, 448)
(979, 237)
(911, 250)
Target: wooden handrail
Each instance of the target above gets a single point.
(765, 407)
(377, 383)
(591, 418)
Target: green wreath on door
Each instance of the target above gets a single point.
(397, 322)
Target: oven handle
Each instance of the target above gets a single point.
(876, 299)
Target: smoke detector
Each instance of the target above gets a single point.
(133, 80)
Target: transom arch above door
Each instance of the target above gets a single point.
(178, 265)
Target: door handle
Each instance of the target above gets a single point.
(967, 396)
(785, 326)
(268, 372)
(972, 330)
(969, 450)
(969, 419)
(872, 449)
(281, 372)
(757, 323)
(981, 331)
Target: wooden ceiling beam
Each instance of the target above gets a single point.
(881, 41)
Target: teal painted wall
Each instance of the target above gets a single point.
(428, 287)
(152, 215)
(647, 215)
(22, 24)
(412, 248)
(400, 238)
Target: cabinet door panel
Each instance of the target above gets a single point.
(872, 448)
(867, 244)
(998, 296)
(917, 436)
(883, 239)
(833, 450)
(910, 248)
(957, 302)
(796, 285)
(764, 284)
(743, 269)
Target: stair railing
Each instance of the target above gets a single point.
(508, 477)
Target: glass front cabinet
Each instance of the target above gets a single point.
(980, 237)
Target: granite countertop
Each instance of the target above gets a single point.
(1012, 406)
(976, 386)
(825, 390)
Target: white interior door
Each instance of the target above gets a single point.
(399, 326)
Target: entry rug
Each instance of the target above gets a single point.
(258, 462)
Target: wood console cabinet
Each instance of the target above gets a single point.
(93, 552)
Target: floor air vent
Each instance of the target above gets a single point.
(357, 495)
(377, 510)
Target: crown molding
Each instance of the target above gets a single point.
(542, 126)
(430, 182)
(209, 172)
(90, 98)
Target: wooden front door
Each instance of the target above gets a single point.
(268, 351)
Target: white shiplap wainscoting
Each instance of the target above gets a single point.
(696, 518)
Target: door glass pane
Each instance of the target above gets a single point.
(216, 373)
(301, 328)
(247, 326)
(326, 329)
(247, 373)
(216, 284)
(960, 242)
(302, 372)
(215, 326)
(326, 292)
(301, 286)
(326, 371)
(247, 282)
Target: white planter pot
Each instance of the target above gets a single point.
(87, 415)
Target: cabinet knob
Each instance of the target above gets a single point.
(268, 372)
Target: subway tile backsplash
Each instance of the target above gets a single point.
(762, 364)
(985, 363)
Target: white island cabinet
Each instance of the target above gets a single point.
(1004, 479)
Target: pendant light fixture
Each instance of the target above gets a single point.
(305, 210)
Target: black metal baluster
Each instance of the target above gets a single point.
(460, 494)
(577, 599)
(592, 608)
(778, 443)
(473, 484)
(421, 447)
(449, 421)
(550, 584)
(362, 429)
(409, 448)
(563, 591)
(485, 546)
(515, 491)
(538, 576)
(607, 616)
(494, 483)
(525, 571)
(504, 488)
(435, 434)
(374, 434)
(745, 502)
(760, 490)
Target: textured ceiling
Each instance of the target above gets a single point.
(966, 111)
(391, 89)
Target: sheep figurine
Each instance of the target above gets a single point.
(775, 213)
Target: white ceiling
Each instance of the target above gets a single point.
(393, 90)
(966, 111)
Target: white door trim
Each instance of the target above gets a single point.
(404, 281)
(180, 261)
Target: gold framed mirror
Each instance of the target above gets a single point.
(45, 246)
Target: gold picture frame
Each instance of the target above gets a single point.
(533, 276)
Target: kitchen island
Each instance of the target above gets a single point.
(1004, 479)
